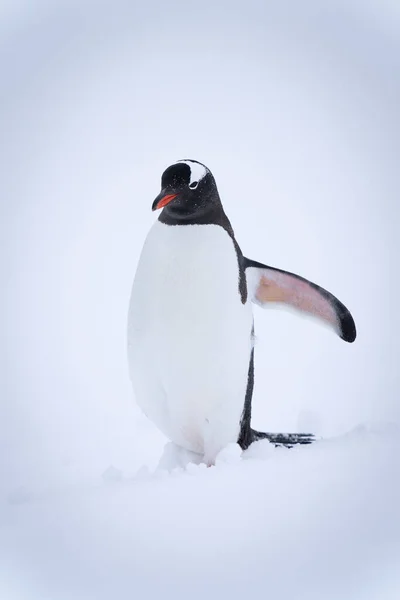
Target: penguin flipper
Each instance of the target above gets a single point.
(271, 285)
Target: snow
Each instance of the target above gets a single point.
(310, 522)
(294, 108)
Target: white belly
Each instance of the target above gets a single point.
(189, 336)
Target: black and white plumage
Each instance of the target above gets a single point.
(190, 325)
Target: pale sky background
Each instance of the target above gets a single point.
(294, 108)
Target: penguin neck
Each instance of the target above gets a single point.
(212, 214)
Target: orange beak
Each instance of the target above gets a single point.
(163, 201)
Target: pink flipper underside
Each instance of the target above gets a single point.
(274, 286)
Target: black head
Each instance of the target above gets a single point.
(188, 189)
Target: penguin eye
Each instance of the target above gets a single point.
(193, 185)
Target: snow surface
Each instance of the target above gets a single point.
(312, 522)
(294, 108)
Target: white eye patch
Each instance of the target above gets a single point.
(197, 172)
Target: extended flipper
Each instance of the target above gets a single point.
(268, 285)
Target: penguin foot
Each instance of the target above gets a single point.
(175, 456)
(284, 439)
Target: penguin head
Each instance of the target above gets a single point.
(187, 188)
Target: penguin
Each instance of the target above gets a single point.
(190, 319)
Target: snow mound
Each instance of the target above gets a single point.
(309, 522)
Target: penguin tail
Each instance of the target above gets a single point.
(284, 439)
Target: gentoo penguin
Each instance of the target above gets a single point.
(190, 324)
